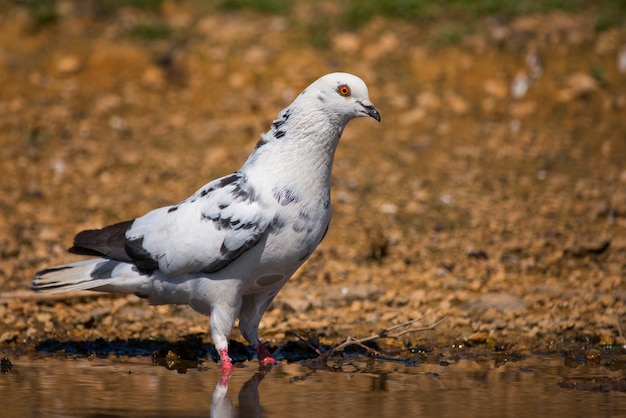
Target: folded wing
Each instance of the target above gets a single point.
(204, 233)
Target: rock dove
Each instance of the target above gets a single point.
(229, 248)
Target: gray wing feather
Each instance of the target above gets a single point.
(206, 232)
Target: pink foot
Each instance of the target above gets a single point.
(227, 367)
(265, 357)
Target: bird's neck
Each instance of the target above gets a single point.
(298, 151)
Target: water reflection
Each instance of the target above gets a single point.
(249, 401)
(544, 386)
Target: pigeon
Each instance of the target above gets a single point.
(230, 247)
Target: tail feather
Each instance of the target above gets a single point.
(100, 274)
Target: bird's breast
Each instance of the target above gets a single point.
(296, 231)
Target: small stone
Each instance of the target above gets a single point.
(296, 305)
(348, 368)
(153, 77)
(8, 336)
(587, 246)
(43, 317)
(256, 55)
(606, 300)
(581, 84)
(106, 103)
(607, 340)
(347, 42)
(520, 85)
(412, 116)
(495, 88)
(618, 202)
(429, 100)
(388, 209)
(478, 337)
(69, 64)
(457, 104)
(621, 60)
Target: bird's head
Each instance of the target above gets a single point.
(344, 95)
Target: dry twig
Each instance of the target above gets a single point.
(386, 333)
(304, 341)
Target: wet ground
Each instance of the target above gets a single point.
(492, 194)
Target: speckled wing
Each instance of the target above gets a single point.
(202, 234)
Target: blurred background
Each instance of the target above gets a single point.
(493, 191)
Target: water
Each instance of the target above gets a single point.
(111, 387)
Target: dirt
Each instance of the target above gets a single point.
(493, 193)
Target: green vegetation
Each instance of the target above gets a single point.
(612, 12)
(354, 13)
(599, 73)
(138, 4)
(151, 31)
(42, 13)
(451, 34)
(266, 6)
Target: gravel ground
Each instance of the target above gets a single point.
(493, 193)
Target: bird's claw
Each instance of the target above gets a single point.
(265, 357)
(267, 361)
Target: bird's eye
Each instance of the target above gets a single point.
(344, 90)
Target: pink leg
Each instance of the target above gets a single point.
(227, 367)
(265, 357)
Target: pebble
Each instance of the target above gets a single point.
(578, 85)
(520, 85)
(347, 42)
(69, 64)
(496, 88)
(621, 60)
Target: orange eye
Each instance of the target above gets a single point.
(343, 90)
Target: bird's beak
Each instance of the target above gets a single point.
(370, 110)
